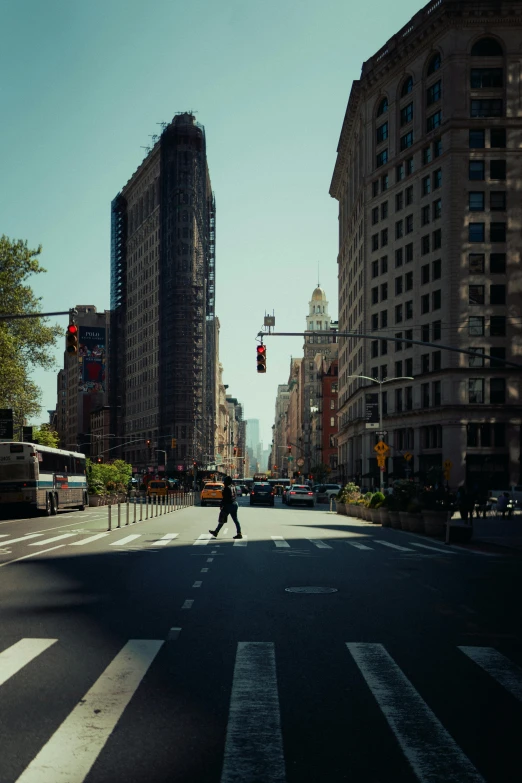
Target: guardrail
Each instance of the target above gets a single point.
(154, 506)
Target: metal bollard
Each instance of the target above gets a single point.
(127, 513)
(141, 509)
(134, 513)
(110, 518)
(156, 504)
(162, 503)
(119, 514)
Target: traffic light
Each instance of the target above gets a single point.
(261, 358)
(235, 452)
(147, 442)
(72, 339)
(173, 443)
(289, 449)
(99, 460)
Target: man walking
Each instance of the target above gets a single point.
(228, 506)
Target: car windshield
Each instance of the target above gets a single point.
(262, 486)
(213, 486)
(299, 486)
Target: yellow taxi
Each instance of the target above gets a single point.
(159, 488)
(212, 492)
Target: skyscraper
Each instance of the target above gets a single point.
(162, 302)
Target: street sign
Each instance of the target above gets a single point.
(371, 411)
(300, 462)
(381, 461)
(179, 468)
(381, 448)
(27, 434)
(6, 424)
(408, 456)
(290, 458)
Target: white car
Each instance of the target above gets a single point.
(324, 492)
(298, 494)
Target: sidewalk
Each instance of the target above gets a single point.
(495, 530)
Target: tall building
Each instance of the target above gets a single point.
(427, 178)
(279, 445)
(162, 299)
(252, 433)
(82, 383)
(318, 319)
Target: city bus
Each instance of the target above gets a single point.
(41, 478)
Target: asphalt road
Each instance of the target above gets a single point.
(173, 657)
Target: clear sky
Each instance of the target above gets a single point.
(84, 86)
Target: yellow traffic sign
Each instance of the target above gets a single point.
(381, 447)
(381, 461)
(408, 456)
(448, 464)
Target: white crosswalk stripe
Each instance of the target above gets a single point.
(22, 538)
(279, 541)
(54, 538)
(126, 540)
(319, 544)
(166, 539)
(393, 546)
(241, 541)
(203, 539)
(88, 540)
(357, 545)
(498, 666)
(20, 654)
(447, 551)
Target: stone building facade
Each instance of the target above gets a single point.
(427, 179)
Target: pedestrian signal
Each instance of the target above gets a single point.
(72, 339)
(261, 358)
(173, 443)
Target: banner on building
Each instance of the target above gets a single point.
(91, 353)
(371, 413)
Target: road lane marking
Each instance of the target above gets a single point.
(34, 554)
(197, 584)
(319, 544)
(20, 654)
(89, 540)
(126, 540)
(76, 744)
(210, 559)
(434, 548)
(359, 546)
(202, 540)
(394, 546)
(188, 603)
(204, 570)
(254, 742)
(53, 539)
(241, 541)
(431, 751)
(279, 541)
(173, 634)
(164, 540)
(508, 674)
(225, 531)
(23, 538)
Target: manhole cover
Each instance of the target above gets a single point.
(311, 590)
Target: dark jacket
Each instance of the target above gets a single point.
(229, 495)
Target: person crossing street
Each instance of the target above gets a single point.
(229, 505)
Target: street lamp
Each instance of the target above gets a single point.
(386, 380)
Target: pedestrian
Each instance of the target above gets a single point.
(504, 505)
(466, 504)
(228, 506)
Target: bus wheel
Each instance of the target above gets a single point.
(48, 506)
(85, 501)
(54, 505)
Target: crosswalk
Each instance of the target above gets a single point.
(254, 744)
(118, 539)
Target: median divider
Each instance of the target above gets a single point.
(154, 506)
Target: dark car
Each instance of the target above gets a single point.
(262, 493)
(298, 494)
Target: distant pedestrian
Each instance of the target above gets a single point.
(504, 505)
(228, 506)
(466, 504)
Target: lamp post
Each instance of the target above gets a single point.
(381, 430)
(162, 451)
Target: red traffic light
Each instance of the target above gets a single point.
(71, 339)
(261, 358)
(261, 349)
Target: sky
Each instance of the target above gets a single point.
(83, 88)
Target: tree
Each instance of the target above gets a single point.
(320, 472)
(108, 476)
(24, 342)
(46, 436)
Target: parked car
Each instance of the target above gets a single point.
(262, 493)
(212, 493)
(298, 494)
(324, 492)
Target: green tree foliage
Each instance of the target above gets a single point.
(320, 472)
(108, 476)
(46, 436)
(24, 342)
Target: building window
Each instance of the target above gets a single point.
(497, 169)
(436, 393)
(425, 244)
(381, 158)
(399, 229)
(499, 434)
(498, 354)
(399, 172)
(409, 280)
(425, 215)
(426, 185)
(476, 295)
(382, 133)
(436, 328)
(425, 332)
(385, 182)
(497, 295)
(409, 252)
(407, 86)
(408, 367)
(384, 265)
(425, 395)
(437, 239)
(383, 107)
(478, 359)
(437, 209)
(497, 232)
(426, 156)
(384, 372)
(398, 369)
(486, 47)
(375, 242)
(375, 188)
(409, 309)
(384, 237)
(425, 274)
(384, 347)
(399, 201)
(436, 360)
(476, 263)
(375, 348)
(375, 268)
(435, 64)
(409, 166)
(437, 269)
(425, 363)
(497, 138)
(487, 107)
(497, 200)
(398, 257)
(332, 421)
(476, 391)
(398, 314)
(476, 232)
(477, 139)
(437, 148)
(375, 215)
(476, 201)
(433, 93)
(434, 121)
(384, 210)
(497, 391)
(483, 78)
(497, 263)
(409, 195)
(375, 295)
(409, 224)
(384, 291)
(407, 114)
(436, 300)
(409, 398)
(398, 400)
(384, 319)
(425, 304)
(437, 179)
(476, 170)
(398, 345)
(476, 326)
(375, 322)
(497, 326)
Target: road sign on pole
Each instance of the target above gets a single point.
(300, 462)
